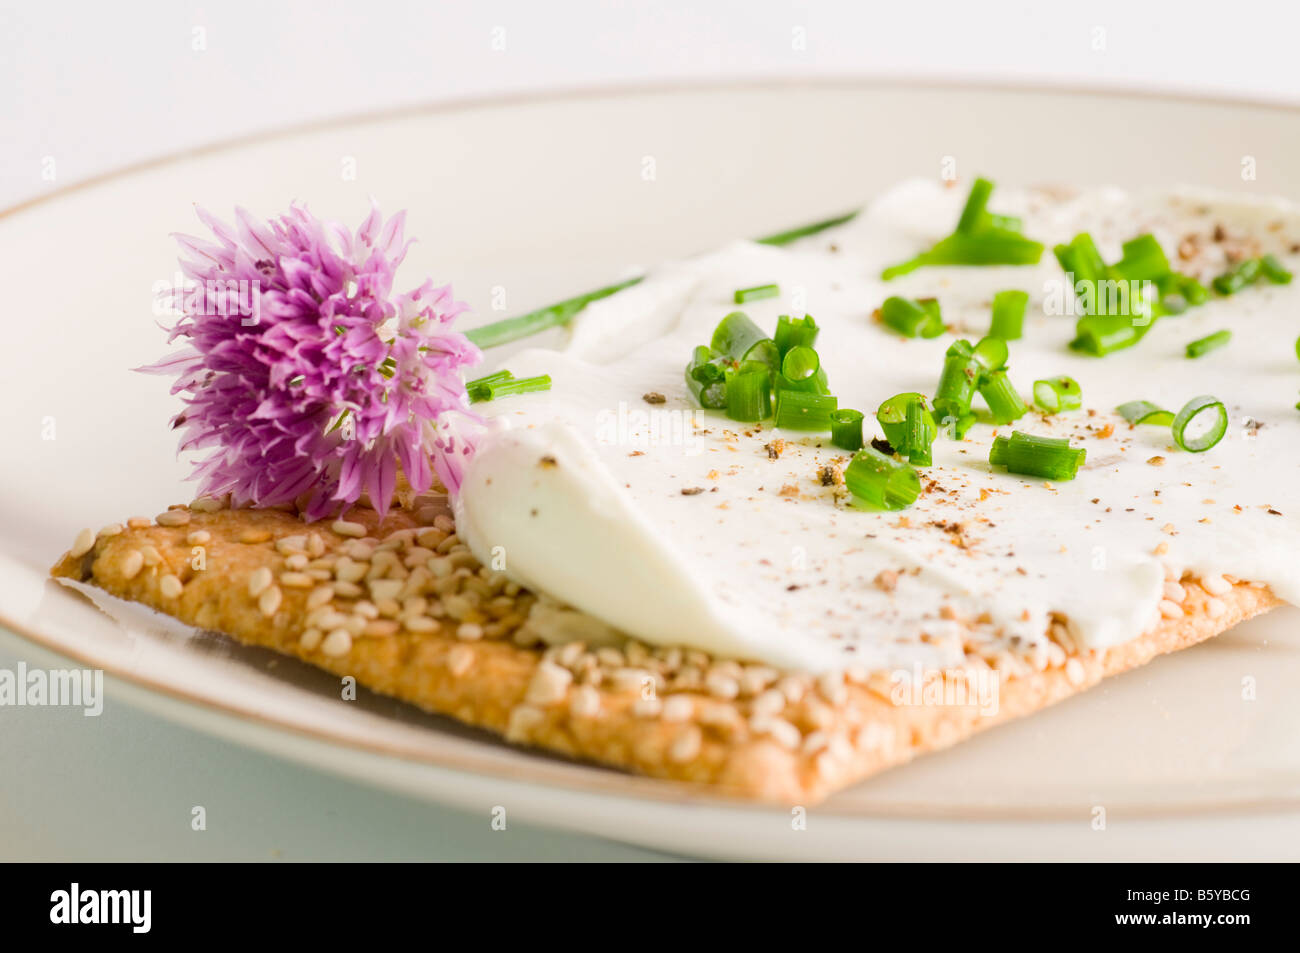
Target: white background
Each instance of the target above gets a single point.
(92, 87)
(96, 86)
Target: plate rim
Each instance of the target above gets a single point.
(926, 81)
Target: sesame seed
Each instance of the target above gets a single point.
(132, 563)
(460, 660)
(721, 686)
(523, 719)
(771, 702)
(269, 601)
(1174, 592)
(647, 707)
(420, 623)
(1215, 585)
(170, 586)
(1170, 610)
(311, 639)
(199, 537)
(584, 702)
(686, 746)
(1074, 672)
(348, 528)
(83, 544)
(380, 627)
(112, 529)
(780, 730)
(296, 580)
(366, 609)
(678, 708)
(298, 561)
(469, 632)
(254, 536)
(1215, 608)
(151, 555)
(173, 518)
(348, 590)
(338, 642)
(319, 596)
(381, 589)
(291, 544)
(549, 684)
(259, 581)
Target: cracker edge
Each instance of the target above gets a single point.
(486, 683)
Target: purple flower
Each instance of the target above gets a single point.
(305, 374)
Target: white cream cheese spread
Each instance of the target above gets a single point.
(679, 526)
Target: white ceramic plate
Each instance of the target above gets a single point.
(521, 202)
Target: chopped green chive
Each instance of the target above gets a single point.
(706, 377)
(1145, 412)
(757, 293)
(736, 335)
(1100, 335)
(1250, 270)
(534, 322)
(912, 318)
(1210, 342)
(1057, 394)
(893, 416)
(803, 231)
(1120, 302)
(882, 481)
(962, 425)
(478, 388)
(918, 434)
(800, 410)
(562, 312)
(793, 332)
(1272, 269)
(1009, 314)
(749, 391)
(1005, 402)
(991, 353)
(800, 363)
(957, 383)
(1143, 260)
(977, 201)
(801, 370)
(518, 385)
(980, 238)
(1051, 458)
(1237, 277)
(1191, 410)
(846, 429)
